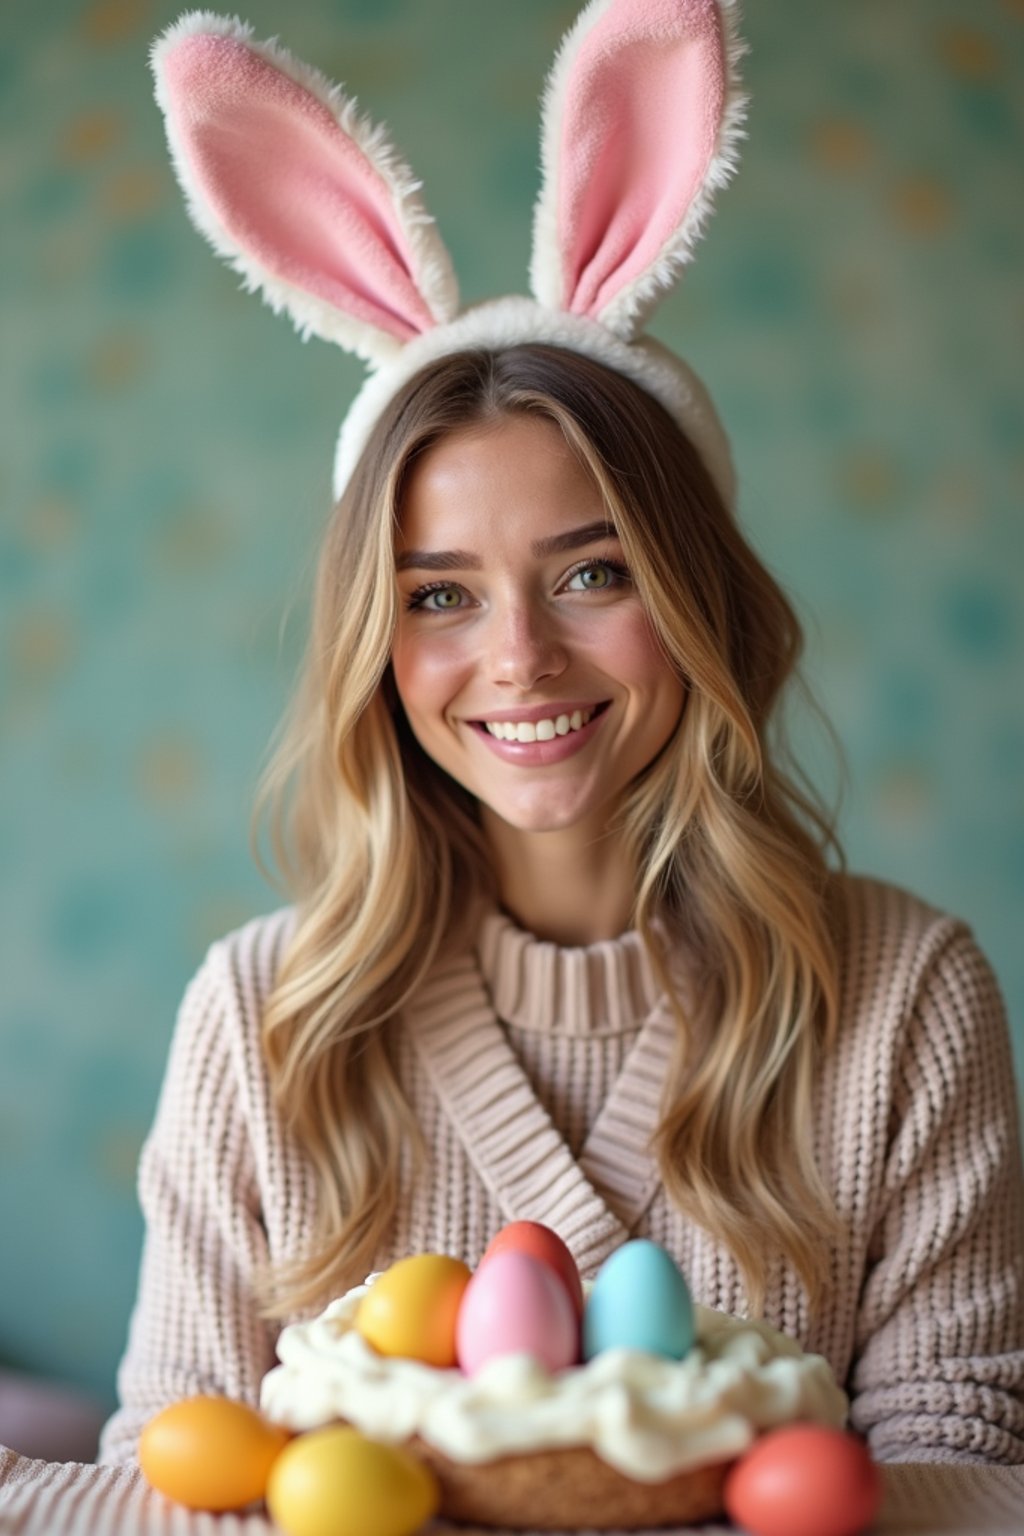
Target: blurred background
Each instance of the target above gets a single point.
(165, 453)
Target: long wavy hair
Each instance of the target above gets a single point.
(384, 857)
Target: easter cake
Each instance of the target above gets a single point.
(540, 1405)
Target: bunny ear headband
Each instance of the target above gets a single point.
(640, 125)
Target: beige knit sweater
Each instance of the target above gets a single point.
(535, 1072)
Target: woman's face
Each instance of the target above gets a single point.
(513, 611)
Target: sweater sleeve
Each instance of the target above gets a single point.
(939, 1374)
(196, 1326)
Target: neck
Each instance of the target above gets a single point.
(566, 887)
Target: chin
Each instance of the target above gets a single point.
(539, 817)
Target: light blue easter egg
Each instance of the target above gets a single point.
(639, 1300)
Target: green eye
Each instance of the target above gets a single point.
(605, 573)
(439, 590)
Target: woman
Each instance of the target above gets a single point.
(604, 980)
(611, 978)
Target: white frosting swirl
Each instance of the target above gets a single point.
(649, 1417)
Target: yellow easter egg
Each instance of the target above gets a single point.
(336, 1482)
(210, 1452)
(411, 1308)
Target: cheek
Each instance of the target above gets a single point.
(638, 657)
(426, 671)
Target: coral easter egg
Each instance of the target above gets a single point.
(639, 1300)
(411, 1309)
(804, 1480)
(515, 1305)
(533, 1238)
(210, 1452)
(336, 1482)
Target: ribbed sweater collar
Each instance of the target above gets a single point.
(605, 988)
(592, 1200)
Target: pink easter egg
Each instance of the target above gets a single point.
(514, 1304)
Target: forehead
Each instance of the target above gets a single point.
(517, 473)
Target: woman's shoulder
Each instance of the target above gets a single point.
(258, 943)
(873, 912)
(238, 970)
(894, 946)
(217, 1031)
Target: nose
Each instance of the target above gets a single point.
(524, 646)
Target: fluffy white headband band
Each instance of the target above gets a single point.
(640, 125)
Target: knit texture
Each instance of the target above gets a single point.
(536, 1073)
(548, 1119)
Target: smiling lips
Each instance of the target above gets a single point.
(545, 729)
(545, 738)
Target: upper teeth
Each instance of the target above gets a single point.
(538, 730)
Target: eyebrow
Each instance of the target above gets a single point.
(465, 560)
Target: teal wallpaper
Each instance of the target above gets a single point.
(165, 448)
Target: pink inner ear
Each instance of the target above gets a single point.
(643, 108)
(296, 195)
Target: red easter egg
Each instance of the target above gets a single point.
(804, 1480)
(539, 1242)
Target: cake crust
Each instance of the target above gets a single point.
(569, 1488)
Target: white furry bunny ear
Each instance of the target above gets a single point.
(302, 196)
(640, 126)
